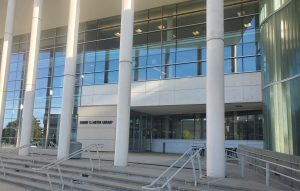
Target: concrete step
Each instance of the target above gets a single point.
(39, 181)
(92, 182)
(108, 177)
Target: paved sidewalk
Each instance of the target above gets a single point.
(10, 187)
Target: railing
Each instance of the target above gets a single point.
(9, 152)
(242, 159)
(56, 164)
(2, 166)
(166, 177)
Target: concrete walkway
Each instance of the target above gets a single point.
(154, 164)
(10, 187)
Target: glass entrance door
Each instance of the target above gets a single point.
(140, 134)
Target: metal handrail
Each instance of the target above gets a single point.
(272, 157)
(58, 162)
(192, 153)
(242, 156)
(3, 167)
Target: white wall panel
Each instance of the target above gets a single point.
(239, 88)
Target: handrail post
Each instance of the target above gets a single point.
(199, 163)
(242, 161)
(194, 170)
(91, 162)
(169, 186)
(3, 168)
(97, 147)
(267, 174)
(61, 178)
(49, 180)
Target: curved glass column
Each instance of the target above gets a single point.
(280, 45)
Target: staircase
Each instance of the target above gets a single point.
(77, 175)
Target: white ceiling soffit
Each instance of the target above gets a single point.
(55, 12)
(185, 109)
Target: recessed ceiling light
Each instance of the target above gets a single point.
(246, 25)
(174, 36)
(117, 34)
(161, 27)
(82, 76)
(196, 33)
(239, 13)
(138, 30)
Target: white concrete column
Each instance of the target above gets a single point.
(31, 77)
(69, 81)
(124, 86)
(215, 89)
(6, 51)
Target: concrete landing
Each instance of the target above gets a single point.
(10, 187)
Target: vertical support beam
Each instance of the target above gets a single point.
(215, 89)
(69, 81)
(31, 77)
(124, 87)
(6, 51)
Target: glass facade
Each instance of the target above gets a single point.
(280, 40)
(169, 42)
(239, 125)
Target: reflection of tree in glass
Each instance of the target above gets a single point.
(37, 132)
(186, 134)
(10, 132)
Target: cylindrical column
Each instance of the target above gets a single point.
(69, 81)
(124, 86)
(215, 89)
(31, 77)
(6, 51)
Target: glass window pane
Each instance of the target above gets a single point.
(57, 92)
(47, 43)
(168, 58)
(43, 72)
(154, 73)
(187, 56)
(154, 37)
(139, 39)
(100, 66)
(139, 62)
(239, 65)
(59, 70)
(186, 70)
(41, 83)
(233, 25)
(112, 77)
(168, 71)
(228, 66)
(113, 65)
(88, 79)
(249, 64)
(56, 102)
(233, 11)
(140, 27)
(89, 67)
(139, 74)
(154, 60)
(57, 81)
(191, 18)
(249, 49)
(40, 103)
(99, 78)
